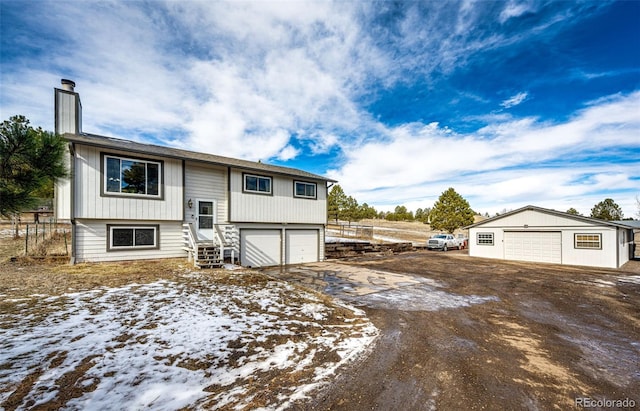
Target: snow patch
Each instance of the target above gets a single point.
(163, 345)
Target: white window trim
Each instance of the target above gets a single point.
(139, 160)
(599, 242)
(257, 191)
(492, 235)
(156, 237)
(306, 183)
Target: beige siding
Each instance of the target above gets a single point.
(68, 112)
(281, 207)
(62, 206)
(205, 183)
(91, 242)
(89, 203)
(67, 109)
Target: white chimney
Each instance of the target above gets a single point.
(68, 109)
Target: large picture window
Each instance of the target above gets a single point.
(484, 238)
(132, 237)
(304, 190)
(129, 176)
(588, 241)
(257, 184)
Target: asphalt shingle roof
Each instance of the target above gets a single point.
(141, 148)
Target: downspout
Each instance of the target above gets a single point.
(72, 200)
(184, 191)
(229, 195)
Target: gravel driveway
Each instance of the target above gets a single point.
(469, 333)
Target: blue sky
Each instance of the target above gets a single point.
(509, 102)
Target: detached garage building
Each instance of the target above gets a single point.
(548, 236)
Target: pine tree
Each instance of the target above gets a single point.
(607, 210)
(450, 212)
(573, 211)
(30, 160)
(336, 201)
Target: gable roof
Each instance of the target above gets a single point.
(594, 221)
(141, 148)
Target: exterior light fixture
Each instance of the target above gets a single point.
(190, 203)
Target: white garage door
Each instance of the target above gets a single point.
(538, 246)
(260, 248)
(301, 246)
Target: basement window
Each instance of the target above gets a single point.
(304, 190)
(132, 237)
(484, 238)
(588, 241)
(257, 184)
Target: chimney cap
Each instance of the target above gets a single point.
(68, 84)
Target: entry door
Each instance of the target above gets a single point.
(206, 219)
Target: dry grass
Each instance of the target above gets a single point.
(28, 276)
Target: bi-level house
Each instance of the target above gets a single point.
(127, 200)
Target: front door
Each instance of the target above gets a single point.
(206, 219)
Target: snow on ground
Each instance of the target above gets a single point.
(634, 279)
(334, 237)
(197, 342)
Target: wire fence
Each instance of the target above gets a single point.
(47, 238)
(352, 230)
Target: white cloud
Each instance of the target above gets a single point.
(243, 78)
(514, 9)
(507, 164)
(514, 100)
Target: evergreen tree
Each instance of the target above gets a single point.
(422, 215)
(573, 211)
(607, 210)
(351, 211)
(450, 212)
(366, 211)
(30, 160)
(336, 201)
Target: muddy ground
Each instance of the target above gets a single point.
(552, 335)
(514, 336)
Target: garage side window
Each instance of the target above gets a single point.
(257, 184)
(588, 241)
(304, 190)
(132, 237)
(484, 238)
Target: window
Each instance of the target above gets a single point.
(484, 238)
(588, 241)
(257, 184)
(128, 237)
(135, 177)
(304, 190)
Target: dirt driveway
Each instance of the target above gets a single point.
(468, 333)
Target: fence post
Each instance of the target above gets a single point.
(26, 241)
(36, 233)
(66, 248)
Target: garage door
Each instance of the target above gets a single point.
(538, 246)
(301, 246)
(260, 248)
